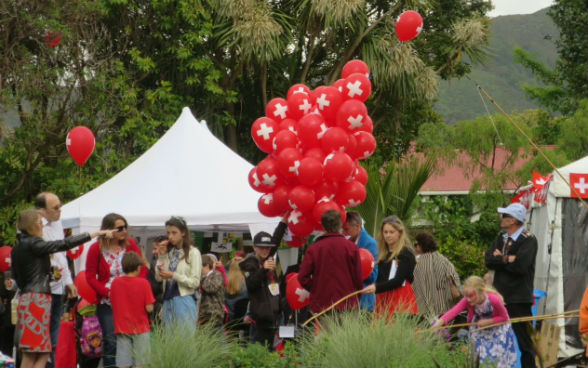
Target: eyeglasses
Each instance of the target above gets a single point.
(121, 228)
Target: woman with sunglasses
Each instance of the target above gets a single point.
(396, 263)
(103, 265)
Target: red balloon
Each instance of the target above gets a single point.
(301, 198)
(315, 152)
(351, 149)
(298, 297)
(351, 194)
(335, 139)
(290, 275)
(325, 189)
(367, 263)
(76, 252)
(267, 172)
(84, 289)
(310, 171)
(277, 109)
(263, 131)
(285, 139)
(339, 85)
(289, 162)
(299, 104)
(311, 129)
(368, 125)
(80, 144)
(409, 25)
(254, 181)
(296, 89)
(366, 144)
(352, 115)
(361, 174)
(281, 194)
(328, 100)
(325, 205)
(338, 166)
(355, 66)
(300, 224)
(289, 124)
(295, 242)
(266, 205)
(357, 86)
(82, 304)
(5, 258)
(53, 39)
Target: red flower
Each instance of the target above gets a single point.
(53, 39)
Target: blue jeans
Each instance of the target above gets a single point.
(180, 311)
(55, 322)
(104, 313)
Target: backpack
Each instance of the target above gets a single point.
(90, 333)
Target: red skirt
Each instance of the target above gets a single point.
(34, 316)
(397, 300)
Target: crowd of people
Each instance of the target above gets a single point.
(181, 287)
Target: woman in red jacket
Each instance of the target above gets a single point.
(103, 265)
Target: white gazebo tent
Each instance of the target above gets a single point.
(561, 228)
(188, 172)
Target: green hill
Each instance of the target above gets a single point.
(501, 76)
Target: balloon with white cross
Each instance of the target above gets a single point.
(288, 163)
(301, 198)
(266, 205)
(366, 145)
(357, 86)
(263, 131)
(267, 171)
(298, 297)
(351, 194)
(277, 109)
(297, 89)
(338, 166)
(280, 198)
(310, 171)
(325, 204)
(299, 104)
(311, 129)
(352, 116)
(355, 66)
(408, 25)
(328, 99)
(284, 139)
(254, 181)
(80, 143)
(300, 224)
(335, 139)
(5, 259)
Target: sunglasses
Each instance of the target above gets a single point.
(121, 228)
(506, 215)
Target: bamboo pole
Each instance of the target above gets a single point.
(331, 307)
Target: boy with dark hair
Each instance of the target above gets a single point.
(212, 284)
(131, 299)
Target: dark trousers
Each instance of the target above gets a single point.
(522, 331)
(55, 322)
(265, 336)
(104, 313)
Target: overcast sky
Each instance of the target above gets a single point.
(505, 7)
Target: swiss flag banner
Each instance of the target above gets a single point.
(579, 182)
(523, 197)
(541, 186)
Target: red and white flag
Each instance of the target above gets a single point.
(541, 186)
(579, 182)
(523, 197)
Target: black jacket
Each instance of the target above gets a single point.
(514, 281)
(31, 265)
(406, 262)
(264, 307)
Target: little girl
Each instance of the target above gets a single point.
(485, 306)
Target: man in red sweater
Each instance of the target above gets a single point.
(331, 268)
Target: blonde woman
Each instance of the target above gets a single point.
(396, 263)
(495, 345)
(236, 288)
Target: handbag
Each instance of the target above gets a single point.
(455, 293)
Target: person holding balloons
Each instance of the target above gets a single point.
(31, 267)
(103, 265)
(396, 263)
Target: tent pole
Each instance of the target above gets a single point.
(532, 144)
(550, 255)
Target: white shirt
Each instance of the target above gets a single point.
(54, 231)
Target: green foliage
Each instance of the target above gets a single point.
(362, 341)
(257, 356)
(573, 140)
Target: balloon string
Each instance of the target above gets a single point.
(395, 48)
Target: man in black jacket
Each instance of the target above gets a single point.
(512, 257)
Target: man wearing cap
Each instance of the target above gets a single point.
(262, 284)
(512, 257)
(331, 268)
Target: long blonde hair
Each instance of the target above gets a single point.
(479, 286)
(235, 278)
(385, 254)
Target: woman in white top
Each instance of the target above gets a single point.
(179, 264)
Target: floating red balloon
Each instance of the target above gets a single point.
(267, 172)
(409, 25)
(338, 166)
(84, 289)
(301, 198)
(267, 207)
(328, 100)
(289, 163)
(352, 116)
(311, 129)
(325, 205)
(361, 174)
(254, 181)
(357, 86)
(296, 89)
(355, 66)
(310, 171)
(281, 194)
(263, 132)
(351, 194)
(367, 263)
(366, 144)
(335, 139)
(5, 258)
(295, 242)
(80, 143)
(277, 109)
(285, 139)
(299, 104)
(300, 224)
(298, 297)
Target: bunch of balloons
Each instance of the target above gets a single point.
(314, 141)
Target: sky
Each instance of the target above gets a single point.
(505, 7)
